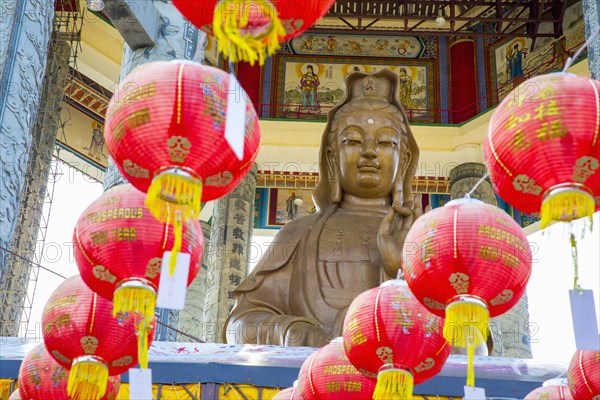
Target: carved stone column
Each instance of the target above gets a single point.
(228, 253)
(192, 316)
(27, 133)
(591, 17)
(510, 330)
(176, 39)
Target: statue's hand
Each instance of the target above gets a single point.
(301, 333)
(393, 230)
(285, 330)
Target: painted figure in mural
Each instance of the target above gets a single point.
(307, 44)
(299, 292)
(331, 43)
(292, 206)
(405, 89)
(514, 63)
(97, 144)
(309, 84)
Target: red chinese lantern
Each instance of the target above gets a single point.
(42, 378)
(165, 131)
(248, 30)
(550, 393)
(584, 375)
(328, 374)
(467, 261)
(555, 120)
(287, 394)
(388, 334)
(82, 335)
(119, 250)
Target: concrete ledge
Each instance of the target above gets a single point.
(136, 20)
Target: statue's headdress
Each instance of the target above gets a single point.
(378, 90)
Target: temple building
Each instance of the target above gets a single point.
(445, 65)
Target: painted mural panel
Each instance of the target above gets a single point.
(514, 60)
(83, 136)
(573, 26)
(311, 89)
(292, 203)
(364, 45)
(211, 53)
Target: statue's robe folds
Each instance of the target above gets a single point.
(299, 292)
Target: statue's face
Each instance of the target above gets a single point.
(369, 146)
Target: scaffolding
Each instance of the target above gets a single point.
(24, 259)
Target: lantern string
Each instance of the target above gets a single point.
(483, 178)
(400, 274)
(571, 60)
(574, 256)
(31, 263)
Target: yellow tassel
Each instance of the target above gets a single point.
(394, 384)
(178, 232)
(231, 16)
(471, 364)
(466, 323)
(87, 380)
(467, 326)
(137, 298)
(566, 205)
(170, 192)
(174, 194)
(143, 329)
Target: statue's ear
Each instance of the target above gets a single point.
(406, 160)
(410, 169)
(334, 176)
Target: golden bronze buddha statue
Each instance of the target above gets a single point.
(300, 290)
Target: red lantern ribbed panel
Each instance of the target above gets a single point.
(584, 375)
(81, 334)
(296, 16)
(42, 378)
(329, 375)
(287, 394)
(117, 239)
(471, 248)
(172, 115)
(387, 327)
(542, 147)
(550, 393)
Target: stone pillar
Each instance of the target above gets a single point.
(25, 27)
(176, 39)
(32, 74)
(191, 318)
(228, 253)
(591, 17)
(510, 330)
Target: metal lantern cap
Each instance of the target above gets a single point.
(88, 358)
(466, 299)
(138, 283)
(464, 200)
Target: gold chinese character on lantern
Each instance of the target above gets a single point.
(514, 120)
(545, 110)
(551, 130)
(520, 141)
